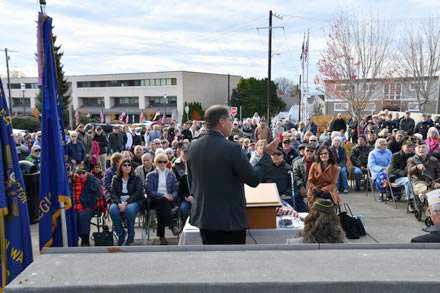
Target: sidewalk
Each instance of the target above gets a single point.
(383, 222)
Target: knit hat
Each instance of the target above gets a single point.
(323, 205)
(408, 142)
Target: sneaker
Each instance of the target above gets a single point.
(163, 241)
(345, 191)
(175, 230)
(121, 239)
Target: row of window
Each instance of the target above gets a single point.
(28, 85)
(155, 101)
(371, 107)
(20, 102)
(123, 83)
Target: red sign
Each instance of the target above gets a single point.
(233, 111)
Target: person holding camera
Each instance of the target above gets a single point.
(323, 177)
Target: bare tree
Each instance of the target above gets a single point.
(419, 59)
(356, 56)
(285, 86)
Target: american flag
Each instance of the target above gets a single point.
(141, 117)
(122, 116)
(126, 119)
(101, 116)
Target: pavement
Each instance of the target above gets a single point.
(383, 223)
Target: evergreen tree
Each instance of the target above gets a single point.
(251, 95)
(63, 85)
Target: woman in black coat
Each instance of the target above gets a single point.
(127, 195)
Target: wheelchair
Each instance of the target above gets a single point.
(421, 212)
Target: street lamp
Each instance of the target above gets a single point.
(165, 101)
(23, 88)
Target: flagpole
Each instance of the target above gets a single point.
(3, 251)
(63, 224)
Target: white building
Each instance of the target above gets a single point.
(132, 93)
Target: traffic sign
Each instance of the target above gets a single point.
(233, 111)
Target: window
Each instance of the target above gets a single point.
(126, 101)
(369, 87)
(15, 86)
(340, 107)
(93, 102)
(159, 101)
(31, 85)
(342, 87)
(21, 102)
(392, 91)
(416, 85)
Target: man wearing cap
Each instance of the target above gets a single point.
(407, 123)
(423, 169)
(395, 142)
(398, 173)
(34, 156)
(278, 172)
(301, 168)
(288, 151)
(434, 230)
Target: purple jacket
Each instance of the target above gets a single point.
(153, 183)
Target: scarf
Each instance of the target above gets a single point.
(433, 144)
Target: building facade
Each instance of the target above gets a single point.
(396, 94)
(132, 93)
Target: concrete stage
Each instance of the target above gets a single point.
(252, 268)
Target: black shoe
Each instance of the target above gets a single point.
(163, 241)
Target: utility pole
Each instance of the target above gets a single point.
(9, 81)
(269, 61)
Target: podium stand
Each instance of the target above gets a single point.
(261, 205)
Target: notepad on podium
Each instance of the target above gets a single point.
(261, 204)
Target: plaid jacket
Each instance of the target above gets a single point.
(79, 183)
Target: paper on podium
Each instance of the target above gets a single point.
(264, 195)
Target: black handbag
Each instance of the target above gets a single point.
(353, 226)
(104, 238)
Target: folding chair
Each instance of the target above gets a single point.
(389, 189)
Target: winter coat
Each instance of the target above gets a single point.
(398, 164)
(378, 161)
(76, 151)
(359, 156)
(323, 180)
(407, 125)
(432, 165)
(153, 184)
(135, 189)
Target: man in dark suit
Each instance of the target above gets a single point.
(217, 169)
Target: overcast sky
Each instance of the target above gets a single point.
(108, 36)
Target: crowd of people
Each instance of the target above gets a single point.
(130, 169)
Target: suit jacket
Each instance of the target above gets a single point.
(432, 237)
(217, 169)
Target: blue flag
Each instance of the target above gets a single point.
(16, 237)
(54, 185)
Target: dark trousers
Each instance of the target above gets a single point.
(163, 210)
(84, 218)
(210, 237)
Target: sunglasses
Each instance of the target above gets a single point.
(286, 142)
(126, 165)
(277, 154)
(162, 162)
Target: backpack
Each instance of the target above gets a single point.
(90, 193)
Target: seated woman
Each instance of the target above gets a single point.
(322, 224)
(127, 195)
(88, 198)
(433, 142)
(323, 176)
(379, 160)
(161, 187)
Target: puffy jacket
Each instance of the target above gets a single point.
(134, 186)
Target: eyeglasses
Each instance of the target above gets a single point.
(277, 154)
(37, 151)
(313, 140)
(126, 165)
(310, 151)
(162, 162)
(286, 142)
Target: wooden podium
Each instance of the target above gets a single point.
(261, 205)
